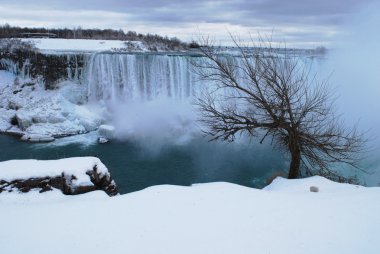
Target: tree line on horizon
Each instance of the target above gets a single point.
(8, 31)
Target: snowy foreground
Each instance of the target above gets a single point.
(285, 217)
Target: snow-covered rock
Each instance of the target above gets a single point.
(102, 140)
(107, 131)
(6, 119)
(24, 120)
(37, 138)
(72, 176)
(4, 124)
(223, 218)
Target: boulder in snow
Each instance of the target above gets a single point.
(314, 189)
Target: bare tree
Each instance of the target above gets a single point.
(267, 92)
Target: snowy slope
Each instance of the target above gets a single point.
(208, 218)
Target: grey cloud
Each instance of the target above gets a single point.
(177, 11)
(313, 17)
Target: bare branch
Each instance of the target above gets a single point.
(263, 92)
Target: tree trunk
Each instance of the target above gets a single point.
(295, 162)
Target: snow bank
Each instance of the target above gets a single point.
(298, 185)
(208, 218)
(77, 173)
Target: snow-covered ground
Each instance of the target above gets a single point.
(210, 218)
(72, 45)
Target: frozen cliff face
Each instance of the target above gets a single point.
(86, 86)
(50, 69)
(27, 107)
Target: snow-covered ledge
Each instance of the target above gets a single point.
(72, 176)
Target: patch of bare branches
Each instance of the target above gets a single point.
(266, 94)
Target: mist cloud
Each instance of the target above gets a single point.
(156, 122)
(355, 63)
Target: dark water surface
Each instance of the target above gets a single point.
(135, 166)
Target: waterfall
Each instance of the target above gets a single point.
(137, 77)
(64, 67)
(112, 76)
(9, 65)
(73, 67)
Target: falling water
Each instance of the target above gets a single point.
(137, 77)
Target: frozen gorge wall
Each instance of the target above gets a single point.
(111, 76)
(49, 68)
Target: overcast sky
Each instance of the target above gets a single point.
(306, 23)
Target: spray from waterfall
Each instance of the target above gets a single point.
(148, 96)
(355, 62)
